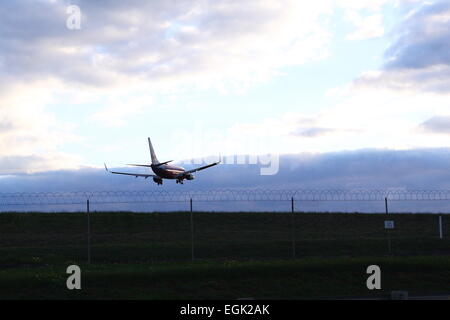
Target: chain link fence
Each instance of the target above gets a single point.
(77, 227)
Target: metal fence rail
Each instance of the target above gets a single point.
(106, 197)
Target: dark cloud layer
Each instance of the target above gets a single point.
(364, 169)
(424, 168)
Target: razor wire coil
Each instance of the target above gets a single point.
(127, 196)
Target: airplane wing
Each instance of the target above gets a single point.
(202, 168)
(132, 174)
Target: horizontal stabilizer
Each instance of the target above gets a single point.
(160, 164)
(140, 165)
(149, 165)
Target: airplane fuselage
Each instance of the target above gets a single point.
(167, 171)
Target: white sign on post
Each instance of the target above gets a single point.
(389, 224)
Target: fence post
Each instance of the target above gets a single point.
(441, 235)
(88, 215)
(293, 227)
(387, 230)
(192, 230)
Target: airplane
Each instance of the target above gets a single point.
(163, 170)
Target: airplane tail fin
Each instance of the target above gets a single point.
(152, 153)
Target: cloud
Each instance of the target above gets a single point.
(419, 57)
(313, 132)
(160, 41)
(367, 27)
(365, 16)
(433, 79)
(362, 4)
(35, 163)
(437, 124)
(422, 39)
(30, 136)
(316, 126)
(6, 125)
(118, 110)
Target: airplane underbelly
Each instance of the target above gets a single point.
(167, 174)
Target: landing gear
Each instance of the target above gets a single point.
(180, 181)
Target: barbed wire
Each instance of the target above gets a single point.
(121, 196)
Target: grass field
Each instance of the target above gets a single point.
(139, 255)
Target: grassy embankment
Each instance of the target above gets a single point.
(237, 255)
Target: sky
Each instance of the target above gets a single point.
(86, 82)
